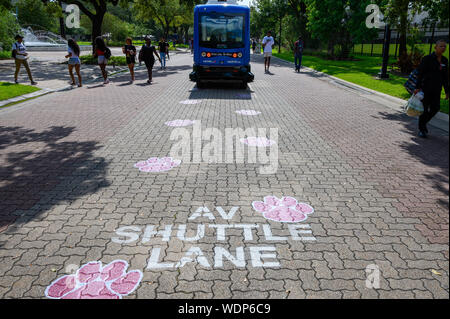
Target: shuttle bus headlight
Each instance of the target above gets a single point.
(203, 54)
(240, 54)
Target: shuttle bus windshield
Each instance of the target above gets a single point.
(221, 31)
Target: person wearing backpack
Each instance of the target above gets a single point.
(102, 53)
(432, 75)
(147, 55)
(298, 53)
(20, 55)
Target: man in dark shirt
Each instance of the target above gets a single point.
(433, 75)
(147, 55)
(298, 53)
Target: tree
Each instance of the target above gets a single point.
(438, 12)
(339, 22)
(397, 13)
(34, 13)
(95, 10)
(165, 12)
(5, 4)
(8, 28)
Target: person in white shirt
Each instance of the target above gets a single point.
(267, 43)
(73, 54)
(20, 56)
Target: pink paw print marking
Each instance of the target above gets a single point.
(257, 141)
(179, 123)
(248, 112)
(155, 164)
(285, 210)
(190, 101)
(93, 281)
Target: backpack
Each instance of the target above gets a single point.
(13, 51)
(411, 83)
(107, 53)
(299, 47)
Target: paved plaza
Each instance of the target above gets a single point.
(368, 199)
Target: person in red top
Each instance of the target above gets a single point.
(100, 50)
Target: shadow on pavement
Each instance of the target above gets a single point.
(34, 178)
(141, 73)
(220, 90)
(432, 152)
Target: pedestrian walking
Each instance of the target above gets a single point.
(163, 52)
(130, 52)
(298, 53)
(102, 53)
(73, 54)
(191, 45)
(20, 55)
(433, 74)
(147, 55)
(267, 43)
(253, 45)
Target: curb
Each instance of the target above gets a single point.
(26, 96)
(440, 121)
(45, 91)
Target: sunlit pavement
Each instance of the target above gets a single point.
(368, 200)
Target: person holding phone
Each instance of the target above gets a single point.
(267, 43)
(20, 55)
(130, 52)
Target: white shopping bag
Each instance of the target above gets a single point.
(414, 107)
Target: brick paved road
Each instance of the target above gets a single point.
(68, 184)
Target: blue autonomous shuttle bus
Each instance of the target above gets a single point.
(221, 43)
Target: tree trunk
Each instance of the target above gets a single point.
(62, 28)
(61, 23)
(331, 48)
(96, 28)
(403, 29)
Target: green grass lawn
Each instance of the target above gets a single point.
(378, 49)
(5, 55)
(10, 90)
(362, 72)
(90, 60)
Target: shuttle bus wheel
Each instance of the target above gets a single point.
(243, 85)
(200, 85)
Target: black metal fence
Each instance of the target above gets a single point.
(424, 43)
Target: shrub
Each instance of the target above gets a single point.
(34, 13)
(8, 29)
(114, 60)
(407, 62)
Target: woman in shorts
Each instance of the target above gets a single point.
(99, 53)
(73, 55)
(130, 52)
